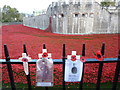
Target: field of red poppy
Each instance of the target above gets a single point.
(17, 35)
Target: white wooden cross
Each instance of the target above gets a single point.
(25, 59)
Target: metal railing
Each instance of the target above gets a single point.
(101, 64)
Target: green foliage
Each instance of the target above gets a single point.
(0, 15)
(9, 14)
(107, 3)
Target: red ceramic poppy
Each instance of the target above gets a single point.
(82, 59)
(73, 57)
(99, 56)
(24, 60)
(45, 55)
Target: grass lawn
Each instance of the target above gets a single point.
(86, 86)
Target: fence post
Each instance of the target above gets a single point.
(24, 49)
(27, 76)
(44, 47)
(117, 71)
(100, 68)
(83, 54)
(9, 68)
(63, 59)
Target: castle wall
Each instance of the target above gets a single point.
(76, 18)
(83, 18)
(101, 20)
(41, 22)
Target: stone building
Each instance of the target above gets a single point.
(76, 17)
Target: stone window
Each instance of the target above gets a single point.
(76, 15)
(61, 15)
(84, 15)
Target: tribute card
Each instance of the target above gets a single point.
(73, 68)
(44, 70)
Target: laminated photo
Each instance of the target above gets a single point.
(73, 68)
(44, 72)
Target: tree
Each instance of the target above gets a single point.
(107, 3)
(9, 14)
(0, 15)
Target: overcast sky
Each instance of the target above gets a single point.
(27, 6)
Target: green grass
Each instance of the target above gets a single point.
(86, 86)
(88, 38)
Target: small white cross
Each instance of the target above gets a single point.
(25, 59)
